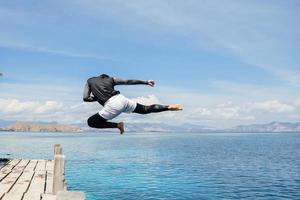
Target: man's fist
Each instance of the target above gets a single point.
(151, 83)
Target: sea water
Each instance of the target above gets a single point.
(170, 165)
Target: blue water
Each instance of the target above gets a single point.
(170, 165)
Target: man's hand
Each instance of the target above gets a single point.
(151, 83)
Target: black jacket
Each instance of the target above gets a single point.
(103, 88)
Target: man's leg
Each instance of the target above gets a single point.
(142, 109)
(96, 121)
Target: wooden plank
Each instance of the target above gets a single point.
(23, 183)
(10, 196)
(70, 195)
(50, 165)
(31, 166)
(4, 174)
(32, 196)
(14, 162)
(21, 165)
(10, 165)
(48, 197)
(58, 173)
(49, 183)
(17, 165)
(41, 165)
(33, 180)
(37, 184)
(7, 169)
(7, 183)
(6, 163)
(1, 194)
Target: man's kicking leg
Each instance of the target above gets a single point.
(96, 121)
(142, 109)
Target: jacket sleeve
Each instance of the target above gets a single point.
(87, 94)
(119, 81)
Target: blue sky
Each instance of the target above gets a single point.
(229, 63)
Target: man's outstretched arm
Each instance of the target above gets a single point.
(119, 81)
(87, 94)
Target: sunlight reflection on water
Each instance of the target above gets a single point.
(170, 165)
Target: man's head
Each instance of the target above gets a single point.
(104, 76)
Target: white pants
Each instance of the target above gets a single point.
(116, 105)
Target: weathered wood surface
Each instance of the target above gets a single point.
(9, 176)
(49, 175)
(58, 173)
(75, 195)
(22, 179)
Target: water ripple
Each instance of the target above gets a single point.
(171, 166)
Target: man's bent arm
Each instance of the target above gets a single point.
(119, 81)
(87, 94)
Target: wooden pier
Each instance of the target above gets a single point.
(24, 179)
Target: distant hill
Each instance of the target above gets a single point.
(38, 127)
(152, 127)
(148, 127)
(270, 127)
(161, 127)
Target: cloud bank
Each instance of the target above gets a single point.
(229, 112)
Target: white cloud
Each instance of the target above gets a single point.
(148, 100)
(64, 104)
(297, 102)
(294, 117)
(226, 111)
(273, 106)
(48, 106)
(243, 112)
(216, 115)
(16, 107)
(28, 110)
(259, 33)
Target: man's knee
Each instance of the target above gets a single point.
(90, 122)
(95, 121)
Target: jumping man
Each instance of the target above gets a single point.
(102, 90)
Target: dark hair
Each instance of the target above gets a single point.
(104, 75)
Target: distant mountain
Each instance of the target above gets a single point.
(148, 127)
(270, 127)
(39, 127)
(151, 127)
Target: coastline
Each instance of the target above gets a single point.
(272, 127)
